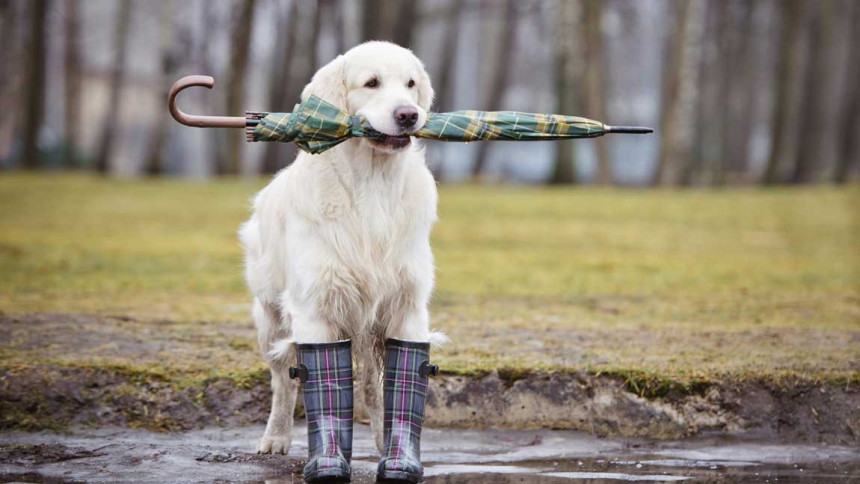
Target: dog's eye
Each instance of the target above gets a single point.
(372, 83)
(411, 83)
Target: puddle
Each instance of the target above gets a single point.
(450, 456)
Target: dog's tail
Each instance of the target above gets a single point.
(281, 350)
(438, 339)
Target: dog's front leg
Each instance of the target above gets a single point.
(279, 428)
(270, 328)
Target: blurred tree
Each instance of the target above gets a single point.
(595, 68)
(720, 117)
(681, 70)
(816, 69)
(34, 111)
(739, 108)
(791, 59)
(276, 154)
(568, 80)
(110, 128)
(499, 77)
(154, 160)
(303, 63)
(848, 146)
(336, 8)
(371, 20)
(444, 80)
(391, 20)
(9, 34)
(239, 50)
(72, 87)
(405, 25)
(822, 100)
(692, 166)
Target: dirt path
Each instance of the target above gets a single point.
(450, 456)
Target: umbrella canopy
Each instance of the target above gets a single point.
(316, 126)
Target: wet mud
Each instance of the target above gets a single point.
(450, 456)
(39, 397)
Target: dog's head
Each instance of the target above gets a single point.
(383, 82)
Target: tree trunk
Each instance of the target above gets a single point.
(680, 93)
(337, 19)
(314, 40)
(692, 165)
(236, 92)
(499, 78)
(595, 99)
(743, 94)
(848, 153)
(785, 116)
(726, 36)
(279, 85)
(445, 79)
(567, 81)
(35, 105)
(10, 31)
(72, 85)
(154, 164)
(810, 100)
(117, 77)
(406, 23)
(371, 20)
(303, 63)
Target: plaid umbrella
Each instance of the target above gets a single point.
(316, 126)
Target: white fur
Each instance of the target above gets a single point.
(338, 244)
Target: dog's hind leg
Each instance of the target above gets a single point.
(270, 329)
(370, 375)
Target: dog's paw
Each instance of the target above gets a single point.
(274, 444)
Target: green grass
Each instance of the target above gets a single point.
(683, 285)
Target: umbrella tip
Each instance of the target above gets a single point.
(627, 129)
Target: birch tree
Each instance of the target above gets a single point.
(680, 90)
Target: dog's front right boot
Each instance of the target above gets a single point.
(325, 370)
(407, 368)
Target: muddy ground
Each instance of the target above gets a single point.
(71, 370)
(55, 397)
(450, 456)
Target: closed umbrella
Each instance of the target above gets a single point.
(315, 125)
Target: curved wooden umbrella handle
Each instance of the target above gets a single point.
(193, 119)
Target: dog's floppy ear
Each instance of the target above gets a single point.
(425, 90)
(329, 84)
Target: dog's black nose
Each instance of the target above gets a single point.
(406, 116)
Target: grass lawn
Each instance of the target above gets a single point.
(674, 284)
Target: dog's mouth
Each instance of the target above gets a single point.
(392, 142)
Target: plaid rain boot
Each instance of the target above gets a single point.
(407, 367)
(325, 371)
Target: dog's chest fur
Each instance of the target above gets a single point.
(376, 222)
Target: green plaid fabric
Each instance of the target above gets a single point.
(316, 126)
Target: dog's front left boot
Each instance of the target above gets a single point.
(407, 368)
(325, 370)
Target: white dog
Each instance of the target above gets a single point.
(338, 243)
